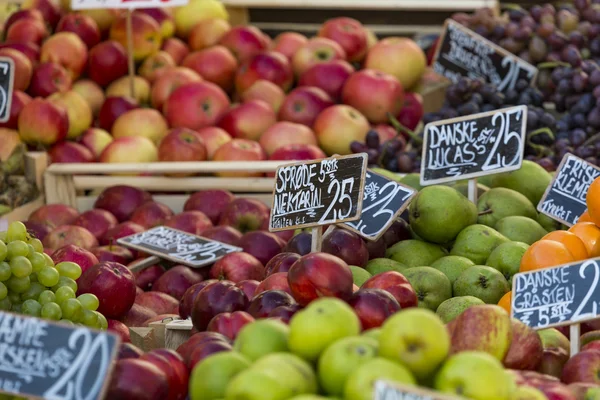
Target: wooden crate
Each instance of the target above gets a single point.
(78, 185)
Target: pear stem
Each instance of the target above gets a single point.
(486, 212)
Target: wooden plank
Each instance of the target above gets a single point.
(380, 30)
(437, 5)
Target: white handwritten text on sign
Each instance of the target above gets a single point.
(103, 4)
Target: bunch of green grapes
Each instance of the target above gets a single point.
(31, 284)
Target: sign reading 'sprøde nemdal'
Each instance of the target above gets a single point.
(320, 192)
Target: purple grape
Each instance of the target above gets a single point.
(358, 147)
(372, 139)
(577, 137)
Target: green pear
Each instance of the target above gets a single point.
(379, 265)
(359, 275)
(483, 282)
(415, 253)
(521, 229)
(413, 180)
(310, 397)
(262, 337)
(453, 307)
(531, 180)
(474, 375)
(463, 188)
(320, 324)
(211, 376)
(498, 203)
(476, 242)
(548, 223)
(485, 328)
(438, 213)
(527, 393)
(254, 384)
(554, 339)
(295, 372)
(416, 338)
(452, 266)
(506, 258)
(341, 358)
(432, 286)
(486, 180)
(388, 174)
(372, 333)
(360, 384)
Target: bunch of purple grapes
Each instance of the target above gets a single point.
(395, 155)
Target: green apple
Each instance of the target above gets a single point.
(527, 393)
(311, 397)
(360, 384)
(475, 375)
(321, 323)
(290, 369)
(257, 385)
(372, 333)
(359, 275)
(417, 338)
(262, 337)
(341, 358)
(455, 306)
(211, 376)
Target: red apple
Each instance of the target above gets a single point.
(176, 281)
(244, 41)
(245, 215)
(300, 244)
(138, 315)
(182, 144)
(83, 26)
(348, 33)
(137, 379)
(54, 215)
(29, 13)
(160, 303)
(113, 284)
(396, 284)
(210, 202)
(373, 307)
(187, 300)
(266, 91)
(196, 340)
(206, 349)
(70, 234)
(329, 76)
(40, 230)
(315, 51)
(91, 92)
(173, 365)
(66, 49)
(95, 140)
(411, 113)
(213, 138)
(297, 152)
(163, 17)
(285, 313)
(216, 298)
(262, 245)
(265, 302)
(31, 50)
(176, 48)
(122, 330)
(49, 78)
(281, 263)
(248, 120)
(248, 287)
(18, 101)
(526, 349)
(387, 132)
(229, 324)
(376, 249)
(96, 221)
(194, 222)
(334, 120)
(237, 267)
(107, 63)
(23, 68)
(346, 245)
(114, 253)
(240, 150)
(145, 278)
(121, 230)
(104, 18)
(224, 234)
(215, 64)
(49, 9)
(319, 275)
(268, 65)
(582, 367)
(146, 34)
(27, 30)
(82, 257)
(156, 65)
(303, 105)
(70, 152)
(207, 33)
(122, 200)
(169, 80)
(151, 214)
(399, 230)
(275, 281)
(595, 345)
(113, 108)
(287, 43)
(132, 149)
(195, 105)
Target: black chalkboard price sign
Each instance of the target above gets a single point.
(557, 296)
(7, 77)
(320, 192)
(46, 360)
(473, 145)
(395, 391)
(178, 246)
(564, 199)
(383, 201)
(462, 52)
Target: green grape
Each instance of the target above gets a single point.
(20, 267)
(33, 277)
(69, 269)
(51, 311)
(16, 307)
(48, 276)
(36, 243)
(33, 292)
(3, 291)
(47, 296)
(89, 301)
(18, 285)
(71, 309)
(3, 236)
(89, 319)
(31, 307)
(16, 231)
(38, 261)
(64, 293)
(17, 248)
(31, 250)
(5, 304)
(3, 250)
(64, 281)
(49, 260)
(102, 321)
(66, 322)
(4, 271)
(14, 297)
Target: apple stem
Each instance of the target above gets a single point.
(401, 128)
(539, 149)
(552, 64)
(486, 212)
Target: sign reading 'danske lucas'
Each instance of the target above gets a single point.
(7, 77)
(383, 201)
(473, 145)
(462, 52)
(564, 199)
(557, 296)
(320, 192)
(95, 4)
(178, 246)
(40, 359)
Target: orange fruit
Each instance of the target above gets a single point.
(589, 234)
(545, 254)
(585, 217)
(572, 241)
(593, 201)
(506, 301)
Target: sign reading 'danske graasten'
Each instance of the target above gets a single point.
(557, 296)
(564, 199)
(320, 192)
(473, 145)
(462, 52)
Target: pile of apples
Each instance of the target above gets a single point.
(203, 89)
